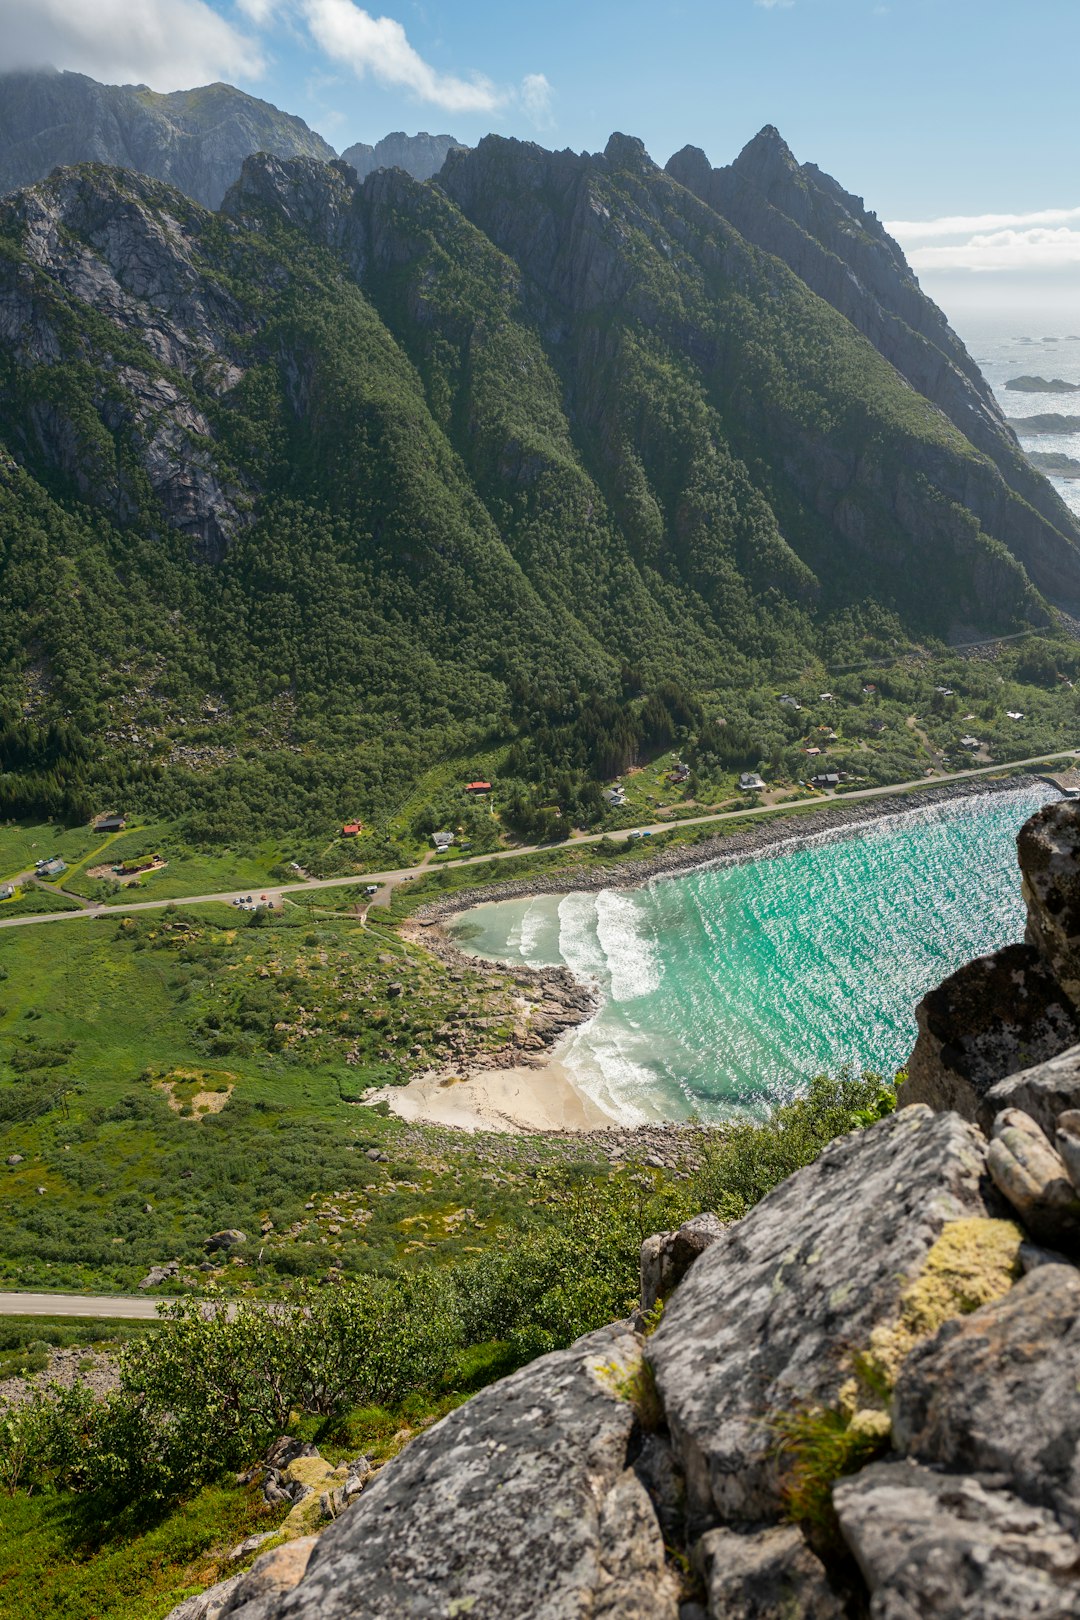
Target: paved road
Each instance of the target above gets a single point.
(96, 1305)
(404, 873)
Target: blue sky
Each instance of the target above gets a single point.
(929, 109)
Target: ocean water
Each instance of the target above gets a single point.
(724, 990)
(1023, 344)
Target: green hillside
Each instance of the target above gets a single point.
(300, 498)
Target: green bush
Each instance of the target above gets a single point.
(748, 1161)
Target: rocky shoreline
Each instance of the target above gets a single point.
(767, 838)
(554, 1001)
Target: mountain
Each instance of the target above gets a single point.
(846, 256)
(421, 155)
(194, 139)
(298, 497)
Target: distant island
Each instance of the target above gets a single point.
(1052, 461)
(1049, 422)
(1039, 385)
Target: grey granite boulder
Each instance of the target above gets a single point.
(764, 1574)
(993, 1016)
(1045, 1091)
(997, 1394)
(1033, 1177)
(1067, 1143)
(521, 1502)
(1048, 847)
(666, 1257)
(940, 1545)
(766, 1321)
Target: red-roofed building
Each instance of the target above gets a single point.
(478, 787)
(351, 828)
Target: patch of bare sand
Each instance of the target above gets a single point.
(543, 1098)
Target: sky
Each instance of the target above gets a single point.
(957, 120)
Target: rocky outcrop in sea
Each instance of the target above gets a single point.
(862, 1399)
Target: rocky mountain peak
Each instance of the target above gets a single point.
(843, 253)
(691, 168)
(195, 139)
(319, 199)
(767, 161)
(628, 152)
(420, 155)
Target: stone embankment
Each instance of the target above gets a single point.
(754, 843)
(861, 1400)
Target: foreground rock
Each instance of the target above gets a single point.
(768, 1574)
(1045, 1091)
(666, 1257)
(1017, 1008)
(932, 1544)
(522, 1502)
(767, 1319)
(997, 1394)
(992, 1017)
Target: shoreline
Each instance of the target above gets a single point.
(524, 1088)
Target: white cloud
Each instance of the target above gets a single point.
(536, 94)
(379, 46)
(962, 224)
(774, 5)
(260, 12)
(168, 44)
(1041, 240)
(1038, 249)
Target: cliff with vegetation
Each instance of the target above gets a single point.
(858, 1398)
(464, 450)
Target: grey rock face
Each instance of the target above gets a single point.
(1045, 1092)
(1034, 1179)
(767, 1574)
(993, 1016)
(936, 1545)
(997, 1393)
(104, 239)
(195, 140)
(766, 1320)
(521, 1501)
(1048, 847)
(420, 155)
(666, 1257)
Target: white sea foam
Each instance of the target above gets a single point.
(633, 965)
(531, 931)
(578, 944)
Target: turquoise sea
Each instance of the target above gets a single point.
(726, 988)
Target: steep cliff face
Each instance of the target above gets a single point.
(420, 155)
(196, 140)
(843, 252)
(625, 271)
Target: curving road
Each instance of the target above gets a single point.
(403, 874)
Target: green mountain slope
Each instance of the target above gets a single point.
(298, 497)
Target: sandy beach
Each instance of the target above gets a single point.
(528, 1098)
